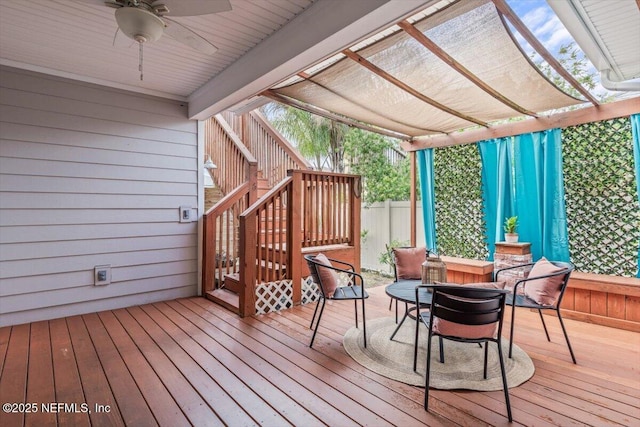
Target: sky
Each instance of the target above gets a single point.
(549, 30)
(543, 22)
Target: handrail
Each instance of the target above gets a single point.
(236, 140)
(264, 199)
(227, 201)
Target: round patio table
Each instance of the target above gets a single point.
(405, 291)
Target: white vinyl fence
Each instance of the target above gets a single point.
(383, 223)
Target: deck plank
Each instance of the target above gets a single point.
(337, 374)
(40, 385)
(222, 403)
(191, 362)
(188, 398)
(249, 373)
(226, 383)
(94, 380)
(165, 409)
(129, 399)
(69, 389)
(13, 378)
(330, 397)
(5, 333)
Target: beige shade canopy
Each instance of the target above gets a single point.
(399, 84)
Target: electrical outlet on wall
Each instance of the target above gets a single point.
(102, 275)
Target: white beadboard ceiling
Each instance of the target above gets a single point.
(260, 42)
(76, 37)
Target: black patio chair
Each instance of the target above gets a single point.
(324, 274)
(402, 257)
(557, 283)
(465, 314)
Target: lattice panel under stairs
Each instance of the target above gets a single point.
(310, 291)
(276, 296)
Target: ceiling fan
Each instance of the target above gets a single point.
(146, 20)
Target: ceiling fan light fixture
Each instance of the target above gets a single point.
(139, 24)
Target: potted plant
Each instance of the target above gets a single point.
(510, 226)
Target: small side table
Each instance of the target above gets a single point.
(509, 255)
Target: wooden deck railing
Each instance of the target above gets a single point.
(326, 203)
(306, 209)
(235, 163)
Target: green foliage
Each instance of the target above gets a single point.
(382, 180)
(574, 61)
(386, 257)
(364, 233)
(510, 224)
(459, 217)
(601, 197)
(319, 140)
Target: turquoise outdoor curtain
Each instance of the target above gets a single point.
(539, 194)
(635, 131)
(496, 188)
(427, 191)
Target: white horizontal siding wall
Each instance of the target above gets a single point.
(386, 222)
(91, 176)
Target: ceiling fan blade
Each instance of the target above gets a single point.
(193, 7)
(184, 35)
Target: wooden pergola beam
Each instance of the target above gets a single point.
(421, 38)
(562, 120)
(388, 77)
(329, 115)
(506, 11)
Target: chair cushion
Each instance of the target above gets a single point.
(409, 262)
(544, 291)
(328, 276)
(446, 327)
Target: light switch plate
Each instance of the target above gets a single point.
(186, 214)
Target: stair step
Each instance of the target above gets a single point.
(225, 298)
(232, 282)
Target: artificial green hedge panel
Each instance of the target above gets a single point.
(458, 194)
(601, 197)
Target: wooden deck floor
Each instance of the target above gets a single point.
(190, 362)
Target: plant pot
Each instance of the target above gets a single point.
(511, 237)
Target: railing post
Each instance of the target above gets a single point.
(247, 259)
(208, 252)
(356, 212)
(294, 242)
(252, 178)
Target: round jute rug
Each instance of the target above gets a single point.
(463, 365)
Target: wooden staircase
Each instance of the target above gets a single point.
(252, 235)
